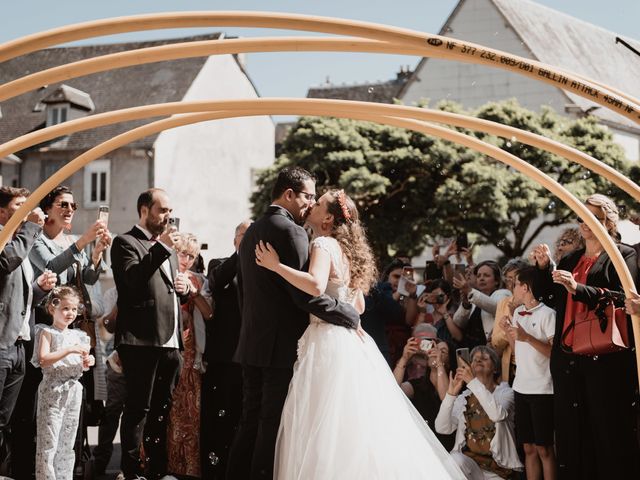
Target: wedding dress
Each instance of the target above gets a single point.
(345, 417)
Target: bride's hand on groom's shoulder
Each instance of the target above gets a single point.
(266, 256)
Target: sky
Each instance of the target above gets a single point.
(291, 74)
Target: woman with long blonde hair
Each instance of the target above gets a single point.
(342, 387)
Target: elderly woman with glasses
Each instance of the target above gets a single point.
(183, 430)
(482, 415)
(595, 396)
(568, 241)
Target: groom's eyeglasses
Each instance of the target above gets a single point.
(309, 197)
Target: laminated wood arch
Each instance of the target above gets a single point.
(324, 107)
(448, 47)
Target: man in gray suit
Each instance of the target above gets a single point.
(19, 291)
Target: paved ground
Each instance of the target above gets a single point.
(114, 466)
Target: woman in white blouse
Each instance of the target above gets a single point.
(482, 417)
(479, 301)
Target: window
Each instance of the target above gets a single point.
(97, 183)
(58, 114)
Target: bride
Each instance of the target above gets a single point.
(345, 416)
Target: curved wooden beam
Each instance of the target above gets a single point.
(202, 48)
(449, 48)
(308, 105)
(445, 133)
(176, 51)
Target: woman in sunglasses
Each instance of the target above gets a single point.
(595, 396)
(63, 253)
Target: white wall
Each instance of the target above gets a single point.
(472, 85)
(629, 143)
(206, 168)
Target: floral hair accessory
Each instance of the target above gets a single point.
(342, 201)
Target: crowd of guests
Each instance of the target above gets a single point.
(483, 350)
(491, 357)
(65, 346)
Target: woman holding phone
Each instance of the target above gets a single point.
(595, 396)
(482, 417)
(427, 390)
(61, 252)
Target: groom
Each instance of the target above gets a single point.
(274, 316)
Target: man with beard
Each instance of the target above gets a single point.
(274, 316)
(148, 331)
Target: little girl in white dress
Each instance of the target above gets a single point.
(63, 355)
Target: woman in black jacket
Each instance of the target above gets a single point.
(595, 397)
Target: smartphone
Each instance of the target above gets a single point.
(431, 271)
(407, 277)
(408, 272)
(174, 222)
(103, 213)
(402, 286)
(426, 345)
(462, 241)
(463, 353)
(459, 269)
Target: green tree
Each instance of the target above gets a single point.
(411, 188)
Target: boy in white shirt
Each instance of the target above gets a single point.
(530, 333)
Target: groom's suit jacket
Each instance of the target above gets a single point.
(146, 293)
(274, 313)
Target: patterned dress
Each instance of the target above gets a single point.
(59, 403)
(183, 430)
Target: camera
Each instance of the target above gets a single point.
(435, 299)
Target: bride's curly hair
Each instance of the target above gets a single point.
(350, 234)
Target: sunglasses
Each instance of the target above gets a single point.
(66, 205)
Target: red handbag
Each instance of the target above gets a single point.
(600, 331)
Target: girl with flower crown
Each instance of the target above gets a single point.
(342, 388)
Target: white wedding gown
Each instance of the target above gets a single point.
(345, 417)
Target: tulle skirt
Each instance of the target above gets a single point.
(345, 417)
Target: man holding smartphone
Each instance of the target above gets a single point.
(148, 331)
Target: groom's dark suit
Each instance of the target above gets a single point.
(148, 335)
(274, 316)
